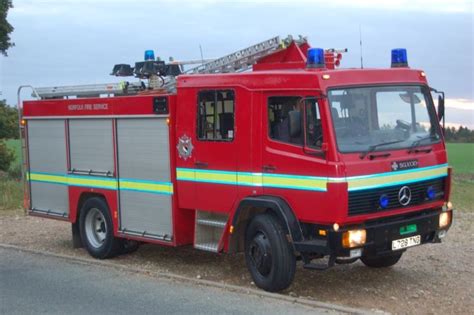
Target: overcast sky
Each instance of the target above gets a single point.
(61, 42)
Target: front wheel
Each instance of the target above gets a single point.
(97, 229)
(268, 254)
(381, 261)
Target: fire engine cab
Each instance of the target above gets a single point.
(295, 160)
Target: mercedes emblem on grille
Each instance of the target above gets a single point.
(404, 195)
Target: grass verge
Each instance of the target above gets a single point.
(461, 157)
(462, 194)
(14, 144)
(11, 194)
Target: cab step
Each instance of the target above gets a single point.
(210, 247)
(214, 223)
(322, 264)
(209, 230)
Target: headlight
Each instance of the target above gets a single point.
(353, 238)
(445, 219)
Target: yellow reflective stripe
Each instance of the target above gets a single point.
(216, 177)
(250, 179)
(50, 178)
(146, 187)
(295, 182)
(310, 182)
(185, 174)
(393, 178)
(92, 182)
(105, 183)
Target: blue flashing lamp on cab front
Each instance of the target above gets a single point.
(383, 201)
(149, 55)
(399, 58)
(315, 58)
(431, 193)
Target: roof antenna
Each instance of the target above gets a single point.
(202, 56)
(360, 38)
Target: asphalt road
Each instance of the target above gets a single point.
(32, 283)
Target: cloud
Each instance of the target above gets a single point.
(55, 7)
(459, 112)
(460, 103)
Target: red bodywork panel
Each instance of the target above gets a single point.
(113, 106)
(251, 147)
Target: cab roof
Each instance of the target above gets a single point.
(302, 79)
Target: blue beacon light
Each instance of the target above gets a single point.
(399, 58)
(149, 55)
(315, 58)
(383, 201)
(430, 192)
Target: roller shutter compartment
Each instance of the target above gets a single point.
(48, 166)
(144, 177)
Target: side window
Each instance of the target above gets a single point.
(279, 121)
(314, 129)
(216, 115)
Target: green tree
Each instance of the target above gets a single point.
(7, 156)
(5, 27)
(8, 121)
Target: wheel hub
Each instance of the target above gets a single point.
(260, 253)
(95, 227)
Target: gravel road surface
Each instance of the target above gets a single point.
(430, 279)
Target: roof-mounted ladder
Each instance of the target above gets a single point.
(238, 61)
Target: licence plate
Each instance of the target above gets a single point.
(406, 242)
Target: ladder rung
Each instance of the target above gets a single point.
(252, 54)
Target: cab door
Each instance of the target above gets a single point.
(215, 149)
(292, 167)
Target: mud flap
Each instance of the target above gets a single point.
(76, 236)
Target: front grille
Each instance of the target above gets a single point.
(367, 201)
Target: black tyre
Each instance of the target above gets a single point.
(268, 254)
(96, 229)
(381, 261)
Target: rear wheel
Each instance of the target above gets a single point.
(381, 261)
(268, 254)
(97, 229)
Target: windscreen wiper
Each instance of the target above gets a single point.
(373, 147)
(417, 143)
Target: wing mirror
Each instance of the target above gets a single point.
(440, 107)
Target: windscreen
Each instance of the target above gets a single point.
(383, 118)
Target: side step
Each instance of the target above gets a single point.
(209, 230)
(320, 266)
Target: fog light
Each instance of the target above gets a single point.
(353, 238)
(445, 219)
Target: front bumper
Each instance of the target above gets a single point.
(380, 234)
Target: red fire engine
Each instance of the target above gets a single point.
(295, 160)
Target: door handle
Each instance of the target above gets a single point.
(269, 168)
(200, 164)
